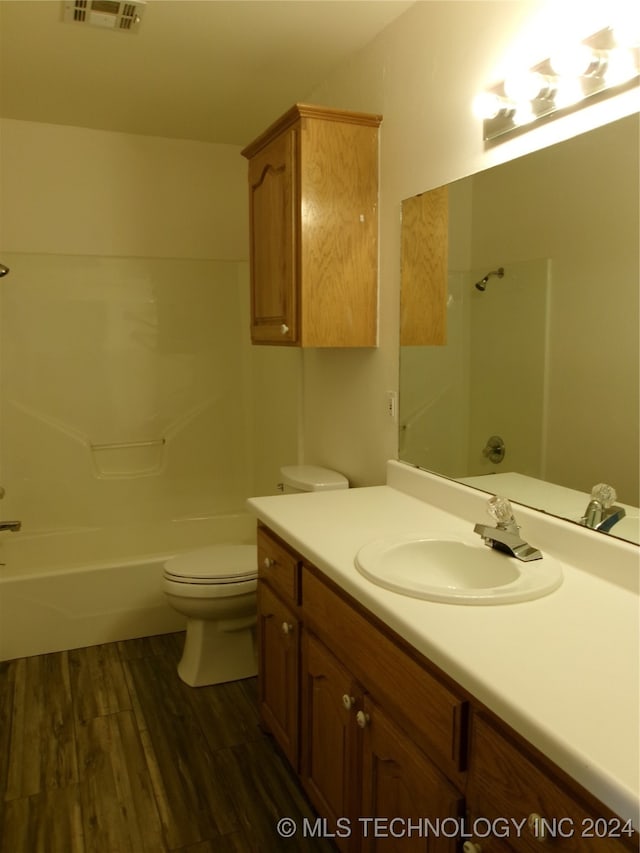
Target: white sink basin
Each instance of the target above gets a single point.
(454, 571)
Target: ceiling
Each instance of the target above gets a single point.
(210, 70)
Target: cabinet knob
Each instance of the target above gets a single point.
(348, 701)
(287, 628)
(471, 847)
(268, 563)
(537, 826)
(362, 719)
(284, 328)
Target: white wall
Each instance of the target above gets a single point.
(422, 73)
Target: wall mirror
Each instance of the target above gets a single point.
(519, 356)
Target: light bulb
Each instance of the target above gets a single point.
(572, 60)
(525, 86)
(487, 105)
(523, 113)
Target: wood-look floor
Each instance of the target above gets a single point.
(105, 750)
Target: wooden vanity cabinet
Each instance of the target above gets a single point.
(509, 778)
(375, 730)
(313, 199)
(278, 629)
(358, 764)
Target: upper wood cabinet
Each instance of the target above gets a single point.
(313, 202)
(424, 265)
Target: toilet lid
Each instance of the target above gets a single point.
(214, 564)
(313, 478)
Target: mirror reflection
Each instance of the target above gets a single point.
(519, 359)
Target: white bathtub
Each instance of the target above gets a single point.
(78, 588)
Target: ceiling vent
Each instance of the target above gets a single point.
(107, 14)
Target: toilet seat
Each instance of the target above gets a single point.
(214, 565)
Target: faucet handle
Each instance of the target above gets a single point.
(501, 511)
(604, 494)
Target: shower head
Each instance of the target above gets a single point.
(3, 270)
(482, 284)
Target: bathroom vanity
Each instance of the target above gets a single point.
(494, 727)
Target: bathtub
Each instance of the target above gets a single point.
(75, 588)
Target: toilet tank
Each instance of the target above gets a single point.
(310, 478)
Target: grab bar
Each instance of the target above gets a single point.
(116, 445)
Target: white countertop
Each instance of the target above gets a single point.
(563, 670)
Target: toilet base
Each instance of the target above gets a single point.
(215, 652)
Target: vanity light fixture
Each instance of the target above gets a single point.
(600, 65)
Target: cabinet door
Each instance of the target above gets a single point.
(509, 787)
(330, 757)
(423, 261)
(404, 790)
(278, 649)
(339, 228)
(273, 205)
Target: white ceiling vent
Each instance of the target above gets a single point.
(108, 14)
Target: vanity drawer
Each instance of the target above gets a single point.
(428, 710)
(509, 779)
(277, 565)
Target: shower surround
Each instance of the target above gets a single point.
(123, 390)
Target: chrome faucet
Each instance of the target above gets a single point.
(601, 514)
(505, 536)
(13, 526)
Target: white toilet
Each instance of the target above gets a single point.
(215, 588)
